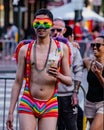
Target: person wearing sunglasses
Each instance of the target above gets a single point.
(57, 32)
(39, 99)
(97, 45)
(58, 29)
(68, 96)
(77, 70)
(94, 103)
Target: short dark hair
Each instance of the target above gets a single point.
(69, 31)
(44, 12)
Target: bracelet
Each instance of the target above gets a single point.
(76, 91)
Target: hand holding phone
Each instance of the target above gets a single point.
(99, 65)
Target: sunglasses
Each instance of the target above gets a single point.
(98, 45)
(42, 22)
(56, 29)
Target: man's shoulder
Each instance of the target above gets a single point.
(25, 41)
(22, 46)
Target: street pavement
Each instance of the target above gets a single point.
(7, 75)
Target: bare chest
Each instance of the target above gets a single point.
(40, 55)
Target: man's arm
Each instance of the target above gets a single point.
(77, 72)
(16, 86)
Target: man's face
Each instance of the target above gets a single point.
(58, 28)
(42, 25)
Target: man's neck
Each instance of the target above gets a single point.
(42, 41)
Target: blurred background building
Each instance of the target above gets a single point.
(21, 12)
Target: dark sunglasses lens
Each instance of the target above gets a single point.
(58, 30)
(92, 45)
(52, 30)
(95, 44)
(98, 45)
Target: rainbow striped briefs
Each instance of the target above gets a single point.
(38, 108)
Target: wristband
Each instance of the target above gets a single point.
(76, 91)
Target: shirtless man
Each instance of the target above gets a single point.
(39, 99)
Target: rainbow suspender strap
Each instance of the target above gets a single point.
(28, 66)
(58, 47)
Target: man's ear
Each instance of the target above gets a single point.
(64, 30)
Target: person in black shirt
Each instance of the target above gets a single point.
(94, 104)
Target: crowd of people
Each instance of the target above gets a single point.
(9, 41)
(52, 67)
(82, 34)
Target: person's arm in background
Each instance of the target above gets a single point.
(77, 69)
(74, 43)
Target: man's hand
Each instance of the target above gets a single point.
(74, 99)
(53, 71)
(9, 122)
(76, 45)
(97, 70)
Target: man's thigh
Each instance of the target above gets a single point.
(27, 122)
(47, 123)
